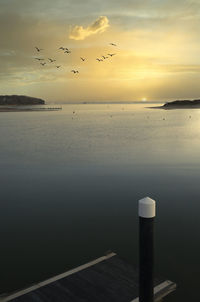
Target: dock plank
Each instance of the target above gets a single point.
(109, 278)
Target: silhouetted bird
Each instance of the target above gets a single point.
(58, 66)
(62, 48)
(111, 54)
(104, 57)
(39, 59)
(99, 60)
(113, 44)
(38, 49)
(67, 51)
(43, 64)
(51, 60)
(75, 71)
(82, 59)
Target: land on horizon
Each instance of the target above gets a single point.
(18, 100)
(180, 104)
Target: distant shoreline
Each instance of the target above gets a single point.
(174, 108)
(179, 104)
(18, 100)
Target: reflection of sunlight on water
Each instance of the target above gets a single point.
(105, 134)
(134, 134)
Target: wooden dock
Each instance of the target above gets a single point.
(106, 279)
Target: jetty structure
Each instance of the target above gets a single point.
(108, 278)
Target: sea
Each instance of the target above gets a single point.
(70, 182)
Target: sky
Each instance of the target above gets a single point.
(157, 52)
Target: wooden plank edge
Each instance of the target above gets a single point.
(5, 298)
(161, 290)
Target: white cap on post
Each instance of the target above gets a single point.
(147, 207)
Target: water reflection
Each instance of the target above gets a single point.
(69, 189)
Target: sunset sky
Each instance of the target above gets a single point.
(157, 53)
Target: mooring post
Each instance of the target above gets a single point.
(147, 207)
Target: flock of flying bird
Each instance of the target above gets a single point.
(67, 51)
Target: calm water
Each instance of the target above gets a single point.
(70, 184)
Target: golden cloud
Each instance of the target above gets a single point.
(98, 26)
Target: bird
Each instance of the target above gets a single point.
(61, 48)
(43, 64)
(74, 71)
(82, 59)
(104, 57)
(58, 66)
(38, 49)
(111, 54)
(51, 60)
(113, 44)
(67, 51)
(39, 59)
(73, 112)
(99, 60)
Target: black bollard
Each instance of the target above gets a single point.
(146, 249)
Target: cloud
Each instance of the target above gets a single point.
(98, 26)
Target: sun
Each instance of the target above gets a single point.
(144, 99)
